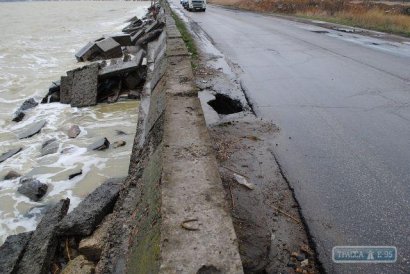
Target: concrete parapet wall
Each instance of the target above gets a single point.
(172, 215)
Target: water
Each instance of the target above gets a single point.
(37, 46)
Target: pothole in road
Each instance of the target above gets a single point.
(223, 104)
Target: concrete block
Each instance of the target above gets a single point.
(122, 39)
(110, 48)
(122, 67)
(84, 86)
(83, 220)
(88, 52)
(65, 88)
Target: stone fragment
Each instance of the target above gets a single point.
(32, 188)
(49, 147)
(118, 144)
(79, 265)
(83, 220)
(301, 257)
(10, 153)
(110, 48)
(42, 246)
(12, 175)
(84, 86)
(92, 246)
(53, 94)
(29, 103)
(75, 174)
(88, 53)
(74, 131)
(18, 116)
(101, 144)
(20, 112)
(31, 130)
(12, 251)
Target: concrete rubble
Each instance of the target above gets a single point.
(9, 154)
(20, 112)
(31, 130)
(49, 147)
(89, 213)
(79, 265)
(100, 144)
(32, 188)
(12, 251)
(43, 243)
(122, 226)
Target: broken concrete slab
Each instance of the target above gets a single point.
(74, 131)
(123, 39)
(12, 251)
(65, 88)
(42, 246)
(137, 35)
(92, 246)
(20, 112)
(148, 37)
(121, 67)
(88, 52)
(100, 144)
(10, 153)
(154, 25)
(32, 188)
(84, 86)
(83, 220)
(79, 265)
(49, 147)
(110, 48)
(32, 130)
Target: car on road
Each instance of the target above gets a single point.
(194, 5)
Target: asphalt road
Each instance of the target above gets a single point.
(342, 102)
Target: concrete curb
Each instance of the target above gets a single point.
(182, 223)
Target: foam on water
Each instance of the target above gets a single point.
(32, 55)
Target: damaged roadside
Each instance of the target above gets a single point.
(273, 237)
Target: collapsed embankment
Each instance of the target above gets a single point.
(169, 215)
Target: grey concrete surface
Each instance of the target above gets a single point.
(341, 101)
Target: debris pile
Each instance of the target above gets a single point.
(73, 242)
(63, 241)
(118, 70)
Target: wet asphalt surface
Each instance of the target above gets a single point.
(342, 103)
